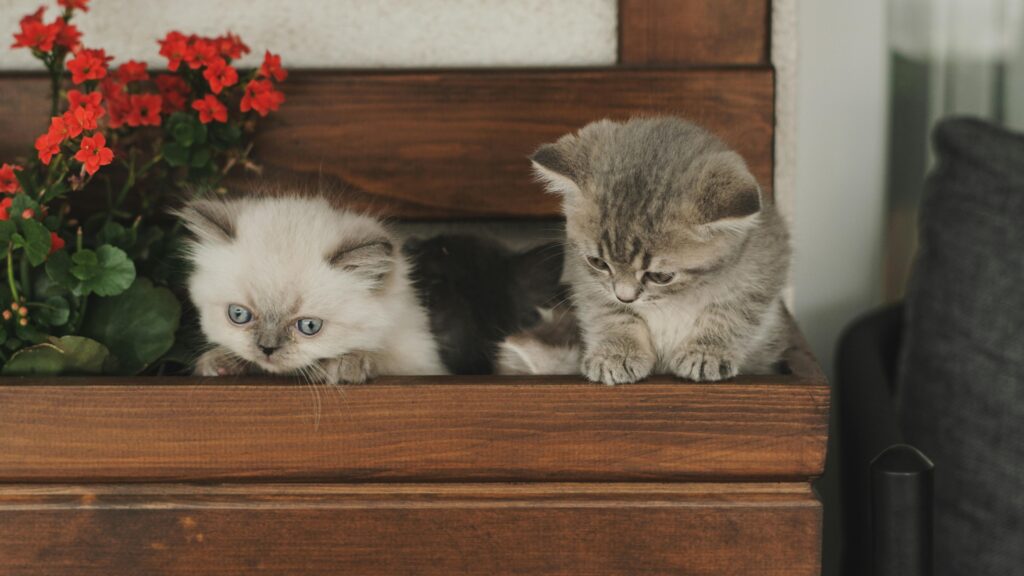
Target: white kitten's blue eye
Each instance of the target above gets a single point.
(239, 314)
(309, 326)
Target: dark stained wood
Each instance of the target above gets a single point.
(693, 32)
(546, 529)
(454, 144)
(414, 429)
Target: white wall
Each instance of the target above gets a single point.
(353, 33)
(841, 133)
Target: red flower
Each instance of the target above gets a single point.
(5, 207)
(231, 46)
(56, 242)
(271, 67)
(132, 71)
(8, 181)
(82, 5)
(88, 65)
(175, 48)
(94, 153)
(68, 35)
(117, 101)
(201, 52)
(210, 109)
(34, 34)
(79, 119)
(173, 90)
(145, 110)
(90, 101)
(220, 75)
(49, 144)
(261, 97)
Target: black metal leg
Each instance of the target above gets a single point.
(901, 512)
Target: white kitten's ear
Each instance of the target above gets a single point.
(553, 164)
(210, 220)
(727, 195)
(372, 259)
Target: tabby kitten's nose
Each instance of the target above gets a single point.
(268, 350)
(626, 293)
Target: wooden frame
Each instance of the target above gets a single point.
(466, 475)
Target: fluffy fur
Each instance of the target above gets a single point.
(478, 291)
(675, 261)
(550, 347)
(289, 256)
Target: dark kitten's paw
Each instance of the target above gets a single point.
(219, 362)
(704, 366)
(616, 362)
(352, 368)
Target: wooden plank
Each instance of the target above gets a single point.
(454, 144)
(694, 32)
(546, 529)
(413, 429)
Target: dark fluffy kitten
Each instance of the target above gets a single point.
(477, 292)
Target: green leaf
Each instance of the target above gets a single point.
(30, 333)
(37, 241)
(113, 272)
(113, 233)
(55, 190)
(183, 133)
(86, 264)
(226, 133)
(54, 312)
(7, 228)
(58, 268)
(137, 326)
(175, 154)
(22, 202)
(200, 157)
(67, 355)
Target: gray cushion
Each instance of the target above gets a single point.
(962, 370)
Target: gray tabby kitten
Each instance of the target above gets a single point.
(676, 263)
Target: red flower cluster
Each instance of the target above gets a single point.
(8, 181)
(94, 153)
(210, 109)
(88, 65)
(82, 5)
(198, 51)
(36, 35)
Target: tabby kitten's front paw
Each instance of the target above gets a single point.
(617, 363)
(704, 366)
(352, 368)
(220, 362)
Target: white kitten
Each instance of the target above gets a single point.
(288, 283)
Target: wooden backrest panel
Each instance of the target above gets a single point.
(434, 145)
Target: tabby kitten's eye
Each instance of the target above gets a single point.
(239, 314)
(598, 264)
(660, 278)
(309, 326)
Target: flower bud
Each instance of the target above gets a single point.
(7, 315)
(23, 311)
(28, 214)
(23, 322)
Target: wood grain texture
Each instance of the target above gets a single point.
(694, 32)
(547, 529)
(431, 145)
(413, 429)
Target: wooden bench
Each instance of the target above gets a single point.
(453, 475)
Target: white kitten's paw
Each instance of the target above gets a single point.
(220, 362)
(352, 368)
(617, 362)
(704, 366)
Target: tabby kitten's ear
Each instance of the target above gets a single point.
(210, 220)
(371, 259)
(727, 193)
(555, 165)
